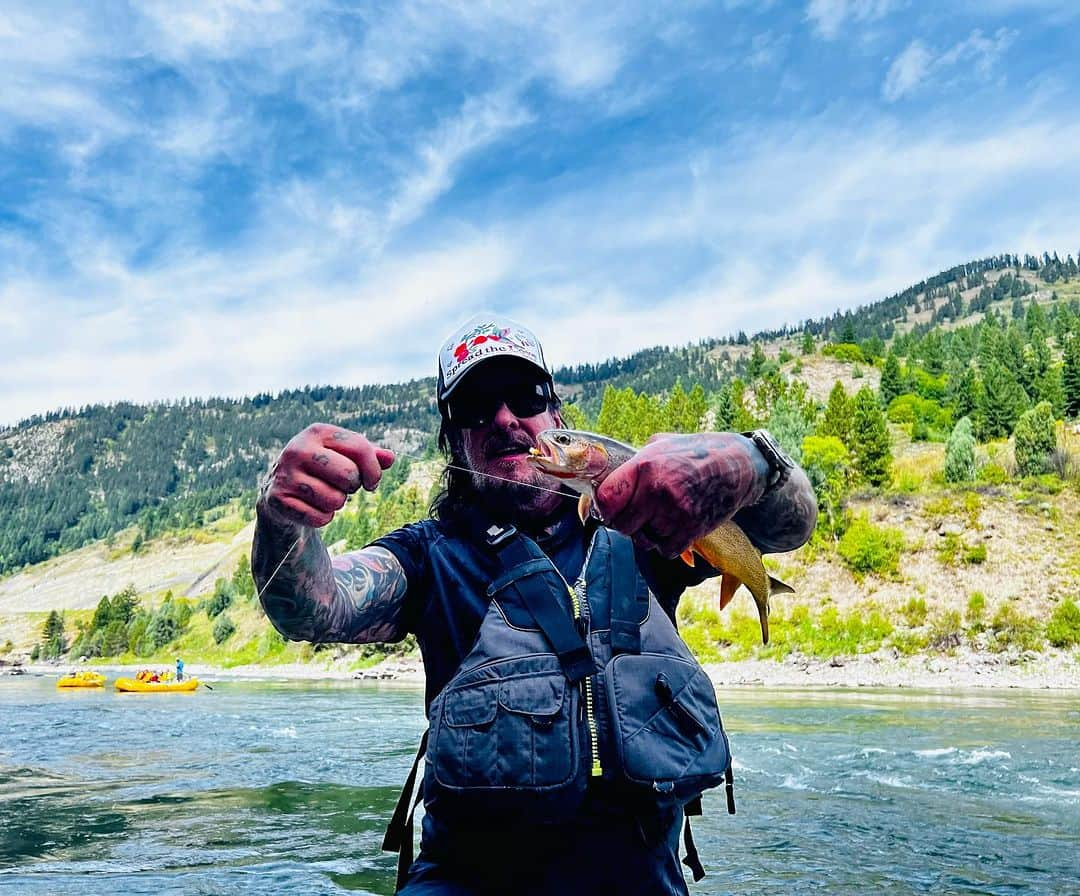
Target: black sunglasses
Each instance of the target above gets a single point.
(478, 408)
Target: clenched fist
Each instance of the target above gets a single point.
(317, 471)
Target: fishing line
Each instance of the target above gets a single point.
(538, 488)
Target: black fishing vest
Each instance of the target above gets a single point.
(565, 685)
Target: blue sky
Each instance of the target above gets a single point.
(231, 197)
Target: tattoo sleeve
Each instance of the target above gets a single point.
(356, 598)
(784, 519)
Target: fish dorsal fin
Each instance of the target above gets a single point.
(688, 556)
(778, 587)
(728, 586)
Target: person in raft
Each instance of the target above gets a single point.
(179, 669)
(570, 729)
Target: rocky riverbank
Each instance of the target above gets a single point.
(962, 669)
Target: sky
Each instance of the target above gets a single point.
(233, 197)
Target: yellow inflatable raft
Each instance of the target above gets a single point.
(133, 686)
(82, 680)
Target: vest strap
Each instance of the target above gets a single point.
(629, 597)
(691, 859)
(545, 599)
(399, 832)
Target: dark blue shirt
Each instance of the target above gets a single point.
(449, 568)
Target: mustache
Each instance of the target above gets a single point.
(500, 442)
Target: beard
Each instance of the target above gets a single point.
(505, 490)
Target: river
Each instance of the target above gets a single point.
(269, 787)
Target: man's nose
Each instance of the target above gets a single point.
(504, 416)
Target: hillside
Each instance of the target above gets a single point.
(159, 497)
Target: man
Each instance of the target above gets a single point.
(449, 581)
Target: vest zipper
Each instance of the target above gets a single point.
(579, 602)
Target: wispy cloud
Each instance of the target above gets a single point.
(224, 198)
(917, 64)
(828, 17)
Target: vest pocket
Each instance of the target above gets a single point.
(515, 733)
(666, 724)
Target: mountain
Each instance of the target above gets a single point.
(71, 477)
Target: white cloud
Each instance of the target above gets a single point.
(917, 64)
(829, 16)
(907, 71)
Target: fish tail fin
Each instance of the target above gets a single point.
(729, 584)
(778, 587)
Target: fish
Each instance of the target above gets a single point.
(583, 460)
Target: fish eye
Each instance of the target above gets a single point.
(562, 439)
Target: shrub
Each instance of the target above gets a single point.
(1035, 439)
(960, 453)
(992, 474)
(946, 631)
(1063, 629)
(976, 609)
(224, 591)
(223, 629)
(845, 351)
(827, 464)
(914, 612)
(866, 548)
(1011, 628)
(974, 554)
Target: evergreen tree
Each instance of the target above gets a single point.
(960, 453)
(1035, 440)
(242, 581)
(756, 364)
(1002, 402)
(892, 379)
(1070, 377)
(836, 420)
(872, 453)
(807, 342)
(53, 643)
(847, 334)
(724, 413)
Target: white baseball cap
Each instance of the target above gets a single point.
(481, 338)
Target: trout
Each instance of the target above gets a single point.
(583, 460)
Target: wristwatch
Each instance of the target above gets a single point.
(780, 465)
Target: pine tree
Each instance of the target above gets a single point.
(756, 364)
(724, 414)
(807, 342)
(836, 420)
(1070, 377)
(892, 379)
(847, 334)
(870, 438)
(1002, 401)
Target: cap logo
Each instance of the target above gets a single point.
(485, 337)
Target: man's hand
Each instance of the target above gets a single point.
(680, 487)
(317, 471)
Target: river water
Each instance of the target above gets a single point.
(285, 787)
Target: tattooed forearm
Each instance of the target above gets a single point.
(784, 519)
(356, 599)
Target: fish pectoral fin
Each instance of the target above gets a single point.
(728, 586)
(688, 556)
(778, 587)
(584, 507)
